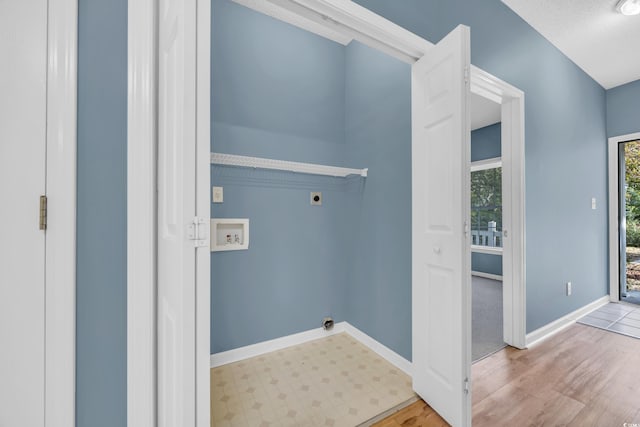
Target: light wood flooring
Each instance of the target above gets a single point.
(582, 376)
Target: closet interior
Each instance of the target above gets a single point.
(311, 225)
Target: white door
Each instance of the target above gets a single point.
(441, 307)
(176, 208)
(23, 77)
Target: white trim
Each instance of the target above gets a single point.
(480, 165)
(556, 326)
(283, 165)
(486, 275)
(60, 303)
(380, 349)
(242, 353)
(264, 347)
(203, 210)
(141, 214)
(352, 21)
(295, 19)
(490, 250)
(614, 243)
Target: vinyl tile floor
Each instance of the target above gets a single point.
(615, 317)
(333, 381)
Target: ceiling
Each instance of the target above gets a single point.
(483, 112)
(601, 41)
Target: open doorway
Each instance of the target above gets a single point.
(385, 36)
(487, 335)
(629, 220)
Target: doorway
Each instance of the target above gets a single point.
(628, 196)
(486, 228)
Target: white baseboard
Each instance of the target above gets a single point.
(235, 355)
(241, 353)
(556, 326)
(486, 275)
(380, 349)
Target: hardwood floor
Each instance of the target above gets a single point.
(582, 376)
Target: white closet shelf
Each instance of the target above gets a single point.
(284, 165)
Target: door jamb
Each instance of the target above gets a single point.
(141, 212)
(60, 242)
(614, 254)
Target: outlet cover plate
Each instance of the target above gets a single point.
(316, 198)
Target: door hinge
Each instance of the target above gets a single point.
(43, 212)
(466, 386)
(466, 229)
(198, 231)
(466, 74)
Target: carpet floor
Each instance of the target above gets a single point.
(486, 336)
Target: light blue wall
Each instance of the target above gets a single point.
(486, 263)
(485, 142)
(275, 87)
(101, 299)
(623, 109)
(565, 146)
(378, 135)
(278, 92)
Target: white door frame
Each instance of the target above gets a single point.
(513, 201)
(60, 246)
(347, 21)
(142, 140)
(614, 242)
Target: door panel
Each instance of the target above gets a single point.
(23, 48)
(176, 207)
(441, 257)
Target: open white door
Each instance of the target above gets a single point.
(441, 258)
(176, 212)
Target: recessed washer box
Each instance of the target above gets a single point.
(229, 234)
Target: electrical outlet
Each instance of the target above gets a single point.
(218, 195)
(568, 288)
(593, 203)
(316, 198)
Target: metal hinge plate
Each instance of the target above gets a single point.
(466, 386)
(198, 231)
(466, 74)
(43, 212)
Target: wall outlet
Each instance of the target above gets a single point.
(316, 198)
(593, 203)
(568, 288)
(217, 194)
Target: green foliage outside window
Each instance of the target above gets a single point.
(486, 199)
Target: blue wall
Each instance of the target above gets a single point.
(486, 263)
(623, 109)
(565, 146)
(378, 136)
(486, 142)
(101, 314)
(278, 92)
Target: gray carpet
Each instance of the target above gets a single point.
(486, 321)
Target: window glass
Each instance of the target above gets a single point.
(486, 207)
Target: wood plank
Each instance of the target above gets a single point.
(582, 376)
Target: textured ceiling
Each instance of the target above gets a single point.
(601, 41)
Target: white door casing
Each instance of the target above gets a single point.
(23, 115)
(176, 208)
(441, 301)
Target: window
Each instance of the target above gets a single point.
(486, 204)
